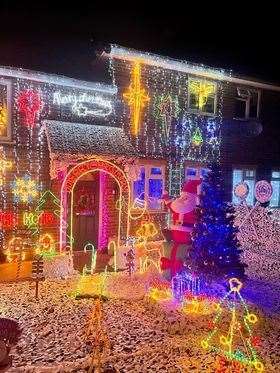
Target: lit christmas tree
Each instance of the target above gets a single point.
(215, 245)
(236, 344)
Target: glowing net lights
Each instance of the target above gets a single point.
(238, 343)
(136, 98)
(29, 104)
(24, 189)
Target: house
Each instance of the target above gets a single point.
(85, 163)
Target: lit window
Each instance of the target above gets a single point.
(275, 183)
(202, 96)
(247, 103)
(195, 172)
(149, 186)
(5, 120)
(247, 176)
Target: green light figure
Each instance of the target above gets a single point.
(197, 139)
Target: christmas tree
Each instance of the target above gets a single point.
(235, 344)
(215, 245)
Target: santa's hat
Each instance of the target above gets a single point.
(190, 186)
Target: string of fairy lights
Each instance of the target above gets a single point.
(153, 107)
(35, 97)
(168, 125)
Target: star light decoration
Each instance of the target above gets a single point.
(166, 108)
(202, 90)
(136, 97)
(24, 189)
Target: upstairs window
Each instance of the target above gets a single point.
(247, 176)
(275, 183)
(195, 172)
(5, 117)
(202, 96)
(149, 187)
(247, 103)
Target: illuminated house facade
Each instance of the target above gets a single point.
(84, 162)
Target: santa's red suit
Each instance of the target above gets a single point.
(183, 220)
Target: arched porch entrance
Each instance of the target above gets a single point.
(67, 197)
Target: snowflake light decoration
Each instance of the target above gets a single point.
(25, 189)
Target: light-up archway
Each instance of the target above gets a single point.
(67, 189)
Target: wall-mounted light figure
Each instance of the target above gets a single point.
(136, 97)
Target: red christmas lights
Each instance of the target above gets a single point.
(29, 103)
(8, 220)
(95, 164)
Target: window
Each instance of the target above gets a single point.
(5, 111)
(202, 96)
(247, 176)
(247, 103)
(275, 183)
(150, 185)
(195, 172)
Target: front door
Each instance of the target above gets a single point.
(86, 212)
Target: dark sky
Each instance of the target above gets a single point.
(64, 40)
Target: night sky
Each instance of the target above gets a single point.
(64, 41)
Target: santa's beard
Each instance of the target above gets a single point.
(184, 204)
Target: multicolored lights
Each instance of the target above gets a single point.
(185, 282)
(25, 189)
(10, 220)
(166, 108)
(234, 344)
(137, 98)
(197, 139)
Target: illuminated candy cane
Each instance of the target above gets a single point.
(90, 247)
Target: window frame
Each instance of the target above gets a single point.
(8, 138)
(247, 101)
(244, 169)
(198, 166)
(198, 111)
(275, 179)
(148, 165)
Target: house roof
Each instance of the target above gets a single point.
(202, 70)
(14, 72)
(87, 139)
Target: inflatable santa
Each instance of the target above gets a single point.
(179, 233)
